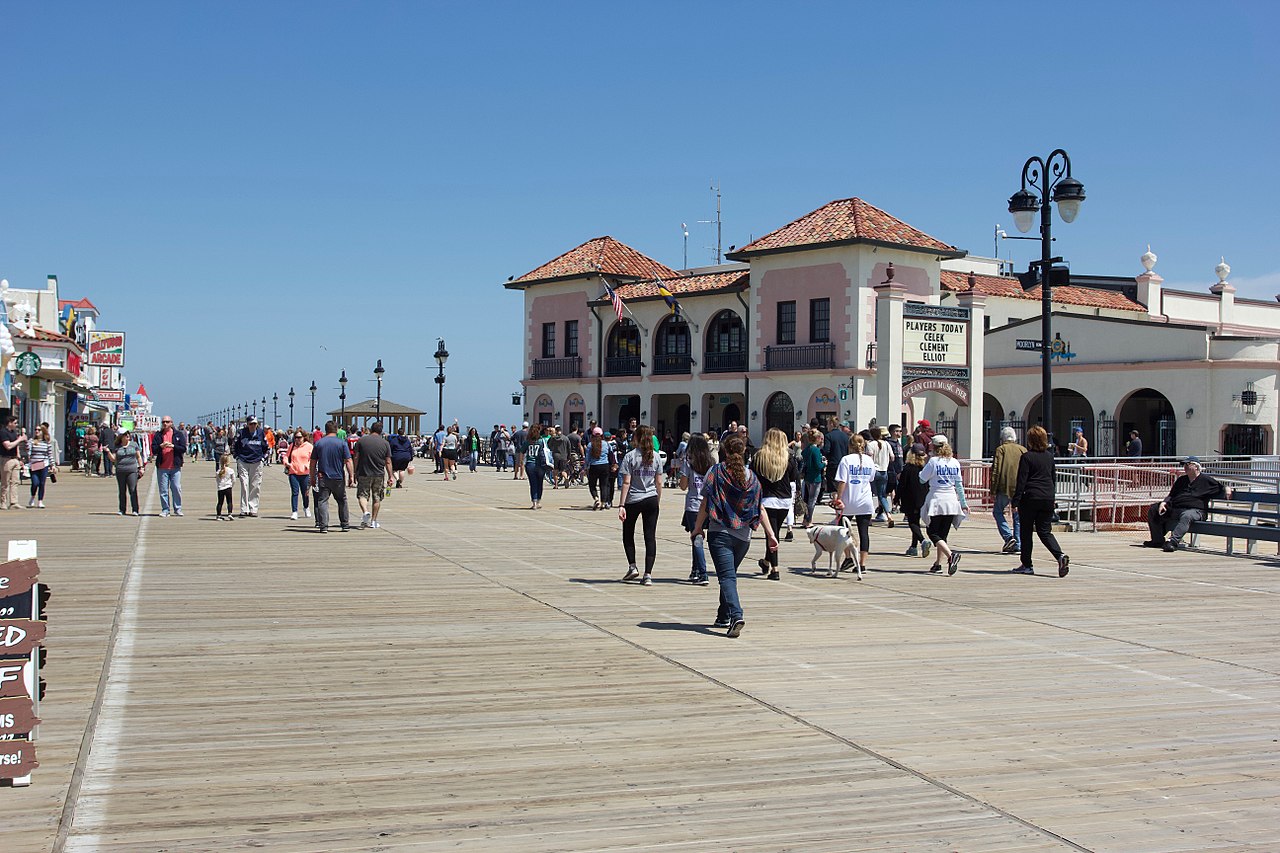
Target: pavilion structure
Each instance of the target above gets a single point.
(396, 418)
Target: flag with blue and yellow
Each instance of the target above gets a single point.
(672, 302)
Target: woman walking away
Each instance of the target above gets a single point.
(854, 497)
(128, 461)
(449, 450)
(693, 474)
(226, 476)
(731, 506)
(298, 466)
(641, 493)
(776, 471)
(1034, 497)
(813, 464)
(535, 467)
(911, 497)
(600, 460)
(41, 461)
(945, 505)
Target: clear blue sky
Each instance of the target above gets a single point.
(264, 193)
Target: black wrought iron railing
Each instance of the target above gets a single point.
(724, 362)
(800, 357)
(558, 368)
(672, 364)
(623, 365)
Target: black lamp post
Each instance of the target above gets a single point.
(377, 374)
(275, 411)
(1051, 177)
(442, 355)
(342, 396)
(291, 421)
(264, 409)
(313, 404)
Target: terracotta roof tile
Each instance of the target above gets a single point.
(37, 334)
(844, 221)
(601, 255)
(685, 285)
(77, 304)
(999, 285)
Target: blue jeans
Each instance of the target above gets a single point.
(1002, 524)
(170, 480)
(699, 570)
(727, 552)
(535, 481)
(38, 478)
(880, 488)
(300, 484)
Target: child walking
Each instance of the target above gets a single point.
(226, 480)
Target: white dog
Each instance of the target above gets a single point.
(836, 540)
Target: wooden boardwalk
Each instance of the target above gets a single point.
(473, 676)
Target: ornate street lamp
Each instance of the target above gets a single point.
(1051, 178)
(442, 355)
(275, 411)
(342, 383)
(377, 374)
(313, 404)
(292, 424)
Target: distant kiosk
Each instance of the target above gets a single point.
(395, 417)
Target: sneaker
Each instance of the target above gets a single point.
(721, 623)
(365, 519)
(1169, 547)
(1153, 543)
(178, 513)
(164, 513)
(293, 516)
(1023, 570)
(40, 504)
(119, 513)
(1064, 565)
(953, 563)
(31, 503)
(936, 567)
(323, 529)
(632, 573)
(136, 514)
(375, 525)
(891, 522)
(773, 576)
(1010, 547)
(648, 581)
(764, 565)
(306, 513)
(735, 630)
(847, 564)
(702, 581)
(790, 537)
(912, 552)
(925, 547)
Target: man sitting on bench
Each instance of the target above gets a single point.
(1188, 501)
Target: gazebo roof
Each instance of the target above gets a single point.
(369, 408)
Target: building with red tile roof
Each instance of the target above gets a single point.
(845, 222)
(601, 256)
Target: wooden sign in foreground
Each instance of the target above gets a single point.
(22, 631)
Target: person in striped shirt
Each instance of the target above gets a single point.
(41, 462)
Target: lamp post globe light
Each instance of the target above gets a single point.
(441, 356)
(377, 375)
(275, 411)
(1052, 181)
(313, 403)
(342, 396)
(291, 422)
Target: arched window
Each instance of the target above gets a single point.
(672, 349)
(780, 413)
(726, 344)
(622, 354)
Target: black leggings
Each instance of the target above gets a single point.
(913, 521)
(864, 531)
(646, 509)
(600, 481)
(225, 494)
(1037, 515)
(940, 528)
(777, 519)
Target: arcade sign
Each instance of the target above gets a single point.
(106, 349)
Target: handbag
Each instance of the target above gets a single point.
(53, 475)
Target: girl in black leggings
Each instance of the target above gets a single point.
(641, 492)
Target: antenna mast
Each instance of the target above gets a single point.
(715, 188)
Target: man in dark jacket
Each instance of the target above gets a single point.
(249, 450)
(107, 438)
(401, 457)
(835, 447)
(169, 448)
(1188, 501)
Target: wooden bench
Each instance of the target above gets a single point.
(1261, 520)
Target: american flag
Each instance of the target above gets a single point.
(615, 299)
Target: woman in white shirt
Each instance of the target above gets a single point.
(945, 504)
(854, 496)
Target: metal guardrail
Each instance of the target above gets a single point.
(800, 357)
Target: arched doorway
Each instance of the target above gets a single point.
(1070, 409)
(629, 408)
(682, 419)
(780, 413)
(993, 419)
(1151, 414)
(731, 413)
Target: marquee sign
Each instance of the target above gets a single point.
(935, 335)
(106, 349)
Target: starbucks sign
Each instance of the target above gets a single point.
(28, 363)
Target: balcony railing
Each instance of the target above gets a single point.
(673, 364)
(624, 365)
(558, 368)
(801, 357)
(724, 362)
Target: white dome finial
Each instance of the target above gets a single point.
(1223, 269)
(1149, 259)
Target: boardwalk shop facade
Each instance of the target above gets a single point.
(848, 312)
